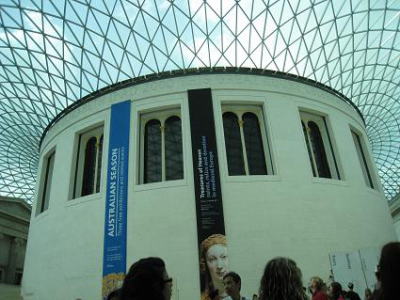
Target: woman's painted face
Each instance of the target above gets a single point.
(217, 261)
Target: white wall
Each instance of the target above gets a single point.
(286, 214)
(395, 212)
(397, 229)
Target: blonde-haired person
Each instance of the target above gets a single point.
(318, 289)
(282, 280)
(213, 267)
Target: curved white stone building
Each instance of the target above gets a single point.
(295, 170)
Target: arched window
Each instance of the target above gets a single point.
(364, 162)
(89, 167)
(246, 142)
(161, 148)
(254, 145)
(233, 144)
(173, 149)
(88, 163)
(319, 146)
(152, 152)
(47, 176)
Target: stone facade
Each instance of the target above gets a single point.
(289, 212)
(14, 224)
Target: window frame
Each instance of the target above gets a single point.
(239, 108)
(81, 138)
(46, 178)
(161, 114)
(364, 160)
(321, 120)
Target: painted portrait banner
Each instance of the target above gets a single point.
(114, 257)
(213, 257)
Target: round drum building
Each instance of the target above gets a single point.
(269, 164)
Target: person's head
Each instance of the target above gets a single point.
(281, 280)
(335, 290)
(147, 279)
(214, 258)
(350, 285)
(232, 283)
(316, 284)
(388, 272)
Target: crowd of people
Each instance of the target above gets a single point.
(148, 279)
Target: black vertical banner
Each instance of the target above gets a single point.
(213, 257)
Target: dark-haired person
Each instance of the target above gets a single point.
(232, 286)
(352, 295)
(317, 287)
(281, 281)
(335, 291)
(388, 273)
(147, 279)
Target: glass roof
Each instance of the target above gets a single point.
(52, 53)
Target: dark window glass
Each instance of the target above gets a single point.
(363, 161)
(47, 183)
(254, 145)
(319, 151)
(99, 161)
(18, 278)
(89, 167)
(173, 149)
(308, 148)
(152, 152)
(233, 144)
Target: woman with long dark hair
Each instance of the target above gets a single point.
(282, 279)
(335, 291)
(388, 273)
(147, 279)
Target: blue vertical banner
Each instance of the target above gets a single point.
(114, 258)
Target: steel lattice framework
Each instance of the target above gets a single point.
(52, 53)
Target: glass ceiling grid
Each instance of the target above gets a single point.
(52, 53)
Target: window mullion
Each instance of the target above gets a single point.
(312, 147)
(246, 164)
